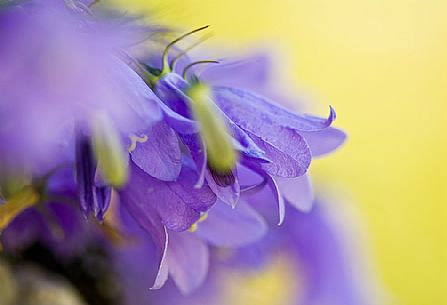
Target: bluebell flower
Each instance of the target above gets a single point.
(174, 186)
(178, 219)
(264, 137)
(315, 266)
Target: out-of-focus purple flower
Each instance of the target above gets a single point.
(61, 69)
(68, 94)
(54, 221)
(316, 258)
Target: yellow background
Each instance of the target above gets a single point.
(383, 65)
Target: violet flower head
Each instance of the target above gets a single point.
(226, 128)
(186, 199)
(182, 222)
(315, 267)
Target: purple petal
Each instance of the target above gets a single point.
(198, 154)
(297, 191)
(199, 199)
(170, 90)
(25, 229)
(324, 141)
(246, 145)
(85, 173)
(289, 153)
(260, 116)
(139, 98)
(188, 260)
(178, 122)
(228, 194)
(134, 198)
(160, 155)
(178, 203)
(175, 104)
(162, 274)
(227, 227)
(271, 183)
(251, 72)
(101, 201)
(94, 195)
(278, 198)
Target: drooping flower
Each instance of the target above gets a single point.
(269, 139)
(174, 187)
(307, 259)
(170, 212)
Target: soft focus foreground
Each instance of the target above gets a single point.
(382, 63)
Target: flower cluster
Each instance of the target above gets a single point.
(89, 129)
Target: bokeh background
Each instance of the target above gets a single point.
(383, 65)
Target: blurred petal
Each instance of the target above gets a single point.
(251, 72)
(188, 260)
(324, 141)
(227, 227)
(14, 206)
(137, 96)
(297, 191)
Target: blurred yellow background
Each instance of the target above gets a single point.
(383, 65)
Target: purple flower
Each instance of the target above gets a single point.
(271, 141)
(166, 209)
(69, 95)
(54, 220)
(195, 153)
(62, 68)
(173, 185)
(318, 266)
